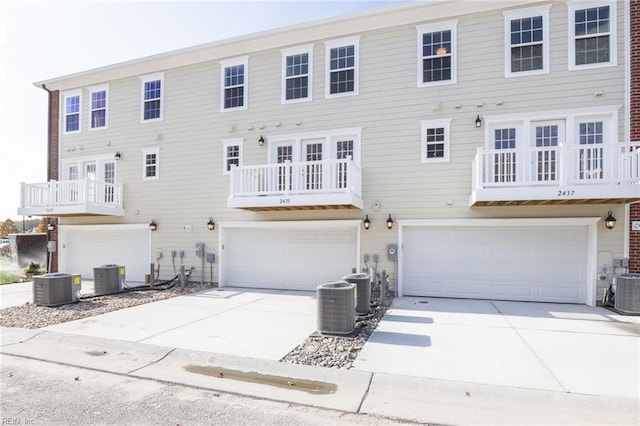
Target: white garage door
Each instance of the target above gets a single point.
(285, 258)
(86, 247)
(544, 263)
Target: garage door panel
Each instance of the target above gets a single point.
(466, 289)
(513, 290)
(86, 248)
(558, 293)
(296, 259)
(543, 263)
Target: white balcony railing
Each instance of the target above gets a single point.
(593, 171)
(82, 196)
(296, 184)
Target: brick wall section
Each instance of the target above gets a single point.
(52, 164)
(634, 112)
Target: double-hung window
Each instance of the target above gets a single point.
(527, 41)
(152, 97)
(98, 107)
(72, 111)
(437, 53)
(232, 154)
(234, 83)
(151, 163)
(342, 67)
(435, 140)
(592, 34)
(297, 66)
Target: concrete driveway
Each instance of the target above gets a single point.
(265, 324)
(555, 347)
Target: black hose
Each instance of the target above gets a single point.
(160, 287)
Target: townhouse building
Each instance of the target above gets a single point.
(469, 149)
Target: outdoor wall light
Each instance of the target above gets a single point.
(211, 225)
(478, 122)
(51, 226)
(366, 222)
(261, 141)
(118, 155)
(389, 222)
(153, 226)
(610, 221)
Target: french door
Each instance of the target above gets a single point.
(312, 151)
(546, 137)
(284, 156)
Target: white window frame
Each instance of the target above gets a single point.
(243, 60)
(66, 96)
(145, 79)
(607, 114)
(613, 37)
(291, 51)
(433, 124)
(332, 44)
(431, 28)
(328, 138)
(520, 14)
(79, 163)
(102, 88)
(149, 151)
(227, 143)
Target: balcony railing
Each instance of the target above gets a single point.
(578, 173)
(71, 197)
(290, 185)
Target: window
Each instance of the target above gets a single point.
(592, 29)
(504, 163)
(109, 177)
(150, 163)
(590, 158)
(232, 154)
(297, 65)
(342, 67)
(98, 108)
(435, 140)
(152, 97)
(547, 136)
(234, 84)
(527, 41)
(72, 108)
(344, 150)
(437, 53)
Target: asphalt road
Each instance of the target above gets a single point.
(40, 393)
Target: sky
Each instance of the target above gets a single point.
(44, 39)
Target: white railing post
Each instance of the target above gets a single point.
(288, 177)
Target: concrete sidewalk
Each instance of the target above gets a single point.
(430, 360)
(388, 395)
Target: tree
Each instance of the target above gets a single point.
(42, 226)
(8, 227)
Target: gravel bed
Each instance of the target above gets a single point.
(34, 316)
(338, 351)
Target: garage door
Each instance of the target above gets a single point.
(543, 263)
(85, 247)
(286, 258)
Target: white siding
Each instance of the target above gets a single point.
(389, 108)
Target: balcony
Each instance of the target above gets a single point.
(71, 198)
(563, 174)
(307, 185)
